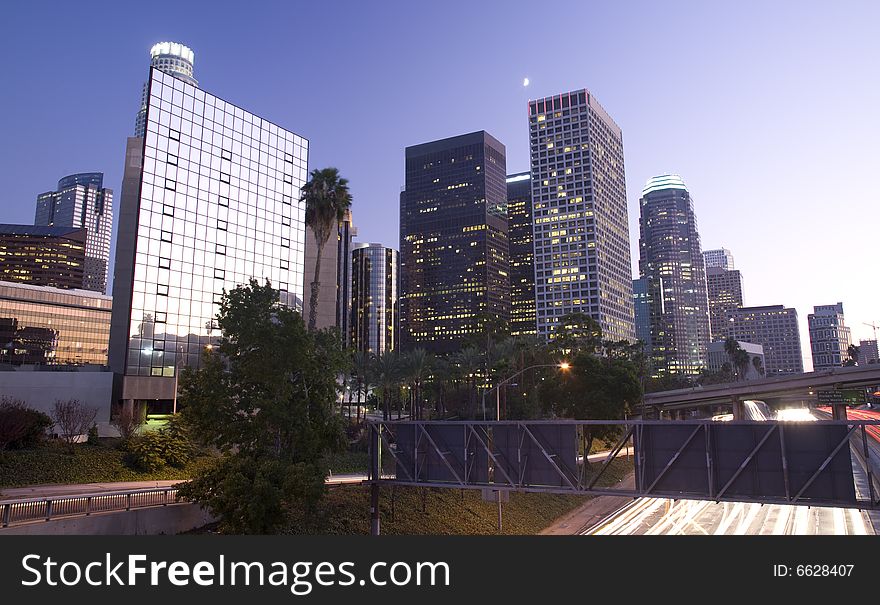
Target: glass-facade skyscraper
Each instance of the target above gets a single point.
(671, 262)
(581, 231)
(453, 241)
(374, 306)
(522, 255)
(82, 202)
(213, 202)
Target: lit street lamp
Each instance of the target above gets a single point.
(564, 365)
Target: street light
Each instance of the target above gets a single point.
(564, 365)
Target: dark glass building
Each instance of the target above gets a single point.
(671, 261)
(42, 256)
(82, 202)
(453, 241)
(45, 325)
(522, 255)
(642, 307)
(374, 307)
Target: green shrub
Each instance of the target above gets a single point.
(93, 435)
(171, 445)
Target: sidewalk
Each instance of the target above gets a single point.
(75, 489)
(590, 513)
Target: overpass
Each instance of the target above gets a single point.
(801, 387)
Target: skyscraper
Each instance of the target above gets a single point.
(776, 329)
(868, 352)
(334, 297)
(453, 241)
(172, 58)
(374, 308)
(830, 338)
(82, 202)
(721, 259)
(213, 203)
(725, 292)
(345, 241)
(522, 259)
(672, 263)
(581, 233)
(642, 311)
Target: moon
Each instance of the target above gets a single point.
(525, 81)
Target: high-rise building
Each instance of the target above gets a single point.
(755, 369)
(213, 202)
(43, 256)
(672, 263)
(720, 259)
(453, 241)
(581, 233)
(830, 338)
(725, 292)
(775, 328)
(334, 297)
(522, 259)
(172, 58)
(82, 202)
(642, 311)
(374, 308)
(868, 352)
(46, 325)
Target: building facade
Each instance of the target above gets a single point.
(82, 202)
(374, 306)
(210, 200)
(672, 263)
(344, 248)
(724, 288)
(581, 231)
(522, 260)
(775, 328)
(172, 58)
(721, 258)
(642, 312)
(755, 369)
(53, 326)
(453, 241)
(43, 256)
(830, 337)
(868, 352)
(334, 297)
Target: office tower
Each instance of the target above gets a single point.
(721, 259)
(213, 203)
(868, 352)
(46, 325)
(642, 312)
(374, 308)
(334, 300)
(775, 328)
(522, 260)
(830, 338)
(82, 202)
(345, 240)
(453, 241)
(718, 357)
(725, 292)
(672, 263)
(581, 234)
(43, 256)
(172, 58)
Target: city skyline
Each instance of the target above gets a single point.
(736, 96)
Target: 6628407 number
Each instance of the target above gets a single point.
(816, 569)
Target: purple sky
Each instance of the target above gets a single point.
(769, 111)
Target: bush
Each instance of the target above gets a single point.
(20, 426)
(73, 419)
(129, 420)
(93, 435)
(154, 449)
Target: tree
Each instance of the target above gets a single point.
(129, 420)
(326, 198)
(416, 365)
(21, 426)
(263, 397)
(742, 360)
(577, 332)
(852, 352)
(360, 367)
(74, 419)
(386, 369)
(470, 362)
(758, 365)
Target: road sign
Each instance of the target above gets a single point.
(842, 396)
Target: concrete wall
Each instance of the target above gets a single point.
(39, 390)
(171, 519)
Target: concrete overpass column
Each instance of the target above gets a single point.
(739, 408)
(838, 411)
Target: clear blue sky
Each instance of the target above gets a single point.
(769, 110)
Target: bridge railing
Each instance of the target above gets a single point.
(30, 510)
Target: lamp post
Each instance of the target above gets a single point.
(564, 365)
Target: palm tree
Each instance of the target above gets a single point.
(360, 367)
(386, 368)
(741, 361)
(416, 365)
(470, 362)
(327, 198)
(759, 365)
